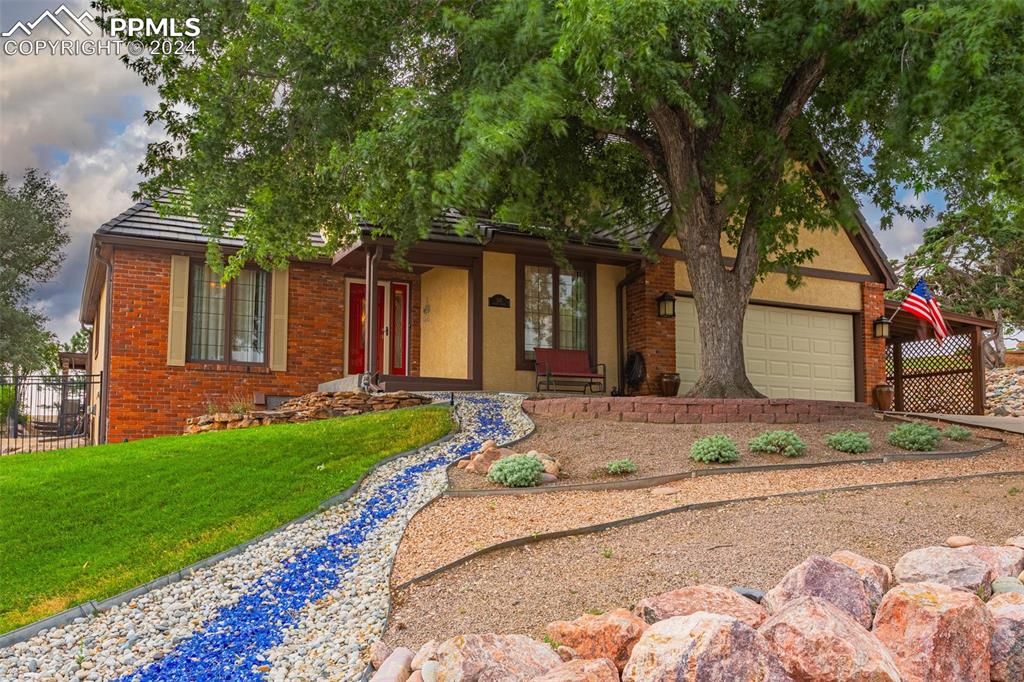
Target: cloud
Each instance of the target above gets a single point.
(905, 235)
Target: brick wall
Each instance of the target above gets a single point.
(873, 301)
(653, 409)
(653, 336)
(148, 397)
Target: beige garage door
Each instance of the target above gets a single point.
(789, 353)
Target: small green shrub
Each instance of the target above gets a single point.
(854, 442)
(778, 443)
(620, 467)
(957, 433)
(915, 436)
(517, 471)
(718, 449)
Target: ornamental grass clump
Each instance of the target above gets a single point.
(620, 467)
(957, 433)
(714, 449)
(915, 436)
(516, 471)
(854, 442)
(778, 443)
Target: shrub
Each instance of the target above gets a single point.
(516, 471)
(620, 467)
(714, 449)
(915, 436)
(6, 401)
(854, 442)
(778, 442)
(957, 433)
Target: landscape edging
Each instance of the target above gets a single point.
(92, 607)
(650, 481)
(693, 506)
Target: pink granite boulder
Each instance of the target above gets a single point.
(703, 646)
(816, 641)
(379, 651)
(946, 566)
(397, 667)
(1004, 561)
(877, 577)
(709, 598)
(515, 658)
(610, 635)
(1007, 612)
(582, 670)
(427, 652)
(819, 576)
(1015, 541)
(935, 633)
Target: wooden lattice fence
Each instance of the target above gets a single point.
(931, 377)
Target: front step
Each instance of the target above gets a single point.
(349, 383)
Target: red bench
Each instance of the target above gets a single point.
(555, 366)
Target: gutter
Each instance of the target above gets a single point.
(105, 376)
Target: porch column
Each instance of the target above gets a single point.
(978, 369)
(372, 259)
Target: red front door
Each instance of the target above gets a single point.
(399, 330)
(357, 327)
(392, 324)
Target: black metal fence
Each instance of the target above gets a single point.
(46, 412)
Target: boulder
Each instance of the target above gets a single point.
(551, 467)
(582, 670)
(1007, 612)
(379, 651)
(512, 658)
(946, 566)
(1002, 585)
(819, 576)
(566, 653)
(960, 541)
(877, 577)
(396, 668)
(415, 677)
(703, 646)
(935, 633)
(817, 641)
(1016, 541)
(709, 598)
(427, 652)
(610, 635)
(1004, 561)
(547, 478)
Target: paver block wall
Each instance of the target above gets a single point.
(657, 410)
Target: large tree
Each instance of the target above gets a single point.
(33, 233)
(723, 122)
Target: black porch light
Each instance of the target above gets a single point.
(666, 305)
(882, 325)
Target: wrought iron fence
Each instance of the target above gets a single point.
(46, 412)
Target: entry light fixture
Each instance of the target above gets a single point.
(882, 325)
(666, 305)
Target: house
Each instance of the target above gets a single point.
(466, 314)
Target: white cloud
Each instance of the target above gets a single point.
(905, 235)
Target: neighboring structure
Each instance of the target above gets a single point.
(466, 315)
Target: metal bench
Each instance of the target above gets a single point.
(573, 366)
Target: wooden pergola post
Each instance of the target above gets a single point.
(978, 367)
(897, 375)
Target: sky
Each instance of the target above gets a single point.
(80, 117)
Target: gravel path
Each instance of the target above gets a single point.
(302, 604)
(429, 542)
(583, 447)
(752, 543)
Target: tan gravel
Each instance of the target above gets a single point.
(452, 527)
(583, 447)
(750, 543)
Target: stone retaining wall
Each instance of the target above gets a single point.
(658, 410)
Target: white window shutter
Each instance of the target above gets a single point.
(279, 320)
(177, 318)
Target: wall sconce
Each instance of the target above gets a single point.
(882, 325)
(666, 305)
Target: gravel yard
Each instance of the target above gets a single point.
(750, 543)
(429, 541)
(583, 447)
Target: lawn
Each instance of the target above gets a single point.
(88, 523)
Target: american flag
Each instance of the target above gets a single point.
(920, 302)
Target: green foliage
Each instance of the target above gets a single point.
(956, 432)
(620, 467)
(6, 401)
(914, 436)
(188, 496)
(854, 442)
(714, 449)
(516, 471)
(778, 443)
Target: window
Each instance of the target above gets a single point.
(227, 321)
(556, 307)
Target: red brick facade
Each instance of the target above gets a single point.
(654, 337)
(656, 410)
(148, 397)
(873, 300)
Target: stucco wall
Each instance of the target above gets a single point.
(608, 278)
(99, 349)
(444, 319)
(813, 291)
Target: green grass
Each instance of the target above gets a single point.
(88, 523)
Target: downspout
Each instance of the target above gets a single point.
(371, 313)
(105, 375)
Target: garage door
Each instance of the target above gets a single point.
(789, 353)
